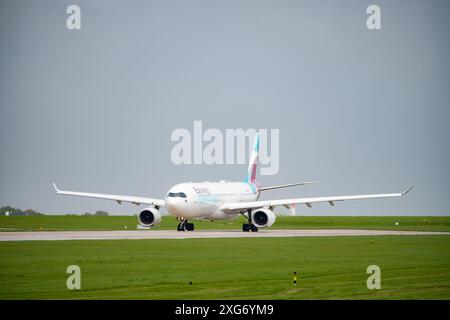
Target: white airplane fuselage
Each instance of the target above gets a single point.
(202, 200)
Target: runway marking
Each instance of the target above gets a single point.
(172, 234)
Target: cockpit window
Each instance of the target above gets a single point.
(177, 195)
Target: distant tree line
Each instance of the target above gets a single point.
(97, 213)
(18, 212)
(30, 212)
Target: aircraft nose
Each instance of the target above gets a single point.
(170, 202)
(175, 205)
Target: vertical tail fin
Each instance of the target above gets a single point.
(253, 163)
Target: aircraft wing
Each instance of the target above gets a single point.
(232, 206)
(118, 198)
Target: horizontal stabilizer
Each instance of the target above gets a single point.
(286, 185)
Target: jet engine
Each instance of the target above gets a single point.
(149, 217)
(263, 217)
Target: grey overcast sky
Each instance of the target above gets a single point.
(359, 111)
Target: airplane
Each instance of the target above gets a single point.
(221, 200)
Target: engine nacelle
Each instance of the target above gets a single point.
(149, 217)
(263, 217)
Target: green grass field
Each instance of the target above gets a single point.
(47, 222)
(412, 267)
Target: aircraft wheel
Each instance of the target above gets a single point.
(245, 227)
(189, 226)
(180, 227)
(254, 228)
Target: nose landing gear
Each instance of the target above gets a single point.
(184, 225)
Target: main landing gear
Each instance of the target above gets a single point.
(249, 226)
(184, 225)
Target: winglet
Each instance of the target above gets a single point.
(55, 187)
(407, 190)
